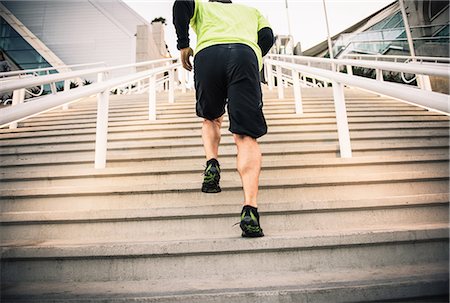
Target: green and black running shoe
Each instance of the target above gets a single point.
(211, 177)
(250, 222)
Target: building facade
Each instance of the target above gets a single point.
(36, 34)
(384, 32)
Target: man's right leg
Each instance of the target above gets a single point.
(211, 137)
(211, 140)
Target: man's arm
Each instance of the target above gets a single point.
(265, 39)
(183, 11)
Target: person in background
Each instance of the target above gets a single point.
(231, 41)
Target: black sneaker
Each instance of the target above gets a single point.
(250, 223)
(211, 177)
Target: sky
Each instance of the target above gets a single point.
(307, 17)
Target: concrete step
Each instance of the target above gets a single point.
(142, 105)
(132, 197)
(116, 176)
(171, 130)
(8, 138)
(275, 132)
(207, 222)
(306, 252)
(190, 109)
(192, 138)
(281, 149)
(140, 185)
(227, 165)
(424, 283)
(143, 116)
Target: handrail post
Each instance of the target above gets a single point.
(297, 93)
(152, 98)
(18, 97)
(424, 82)
(101, 139)
(53, 88)
(350, 70)
(270, 76)
(280, 83)
(379, 74)
(171, 85)
(342, 121)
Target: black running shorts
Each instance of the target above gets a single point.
(228, 74)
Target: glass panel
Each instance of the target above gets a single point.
(444, 32)
(436, 7)
(394, 21)
(18, 50)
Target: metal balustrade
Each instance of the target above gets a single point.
(420, 97)
(35, 72)
(102, 88)
(297, 67)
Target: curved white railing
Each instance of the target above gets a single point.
(64, 68)
(36, 81)
(418, 59)
(423, 98)
(21, 111)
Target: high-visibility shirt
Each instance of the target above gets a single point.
(220, 23)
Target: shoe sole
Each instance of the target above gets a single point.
(211, 190)
(246, 234)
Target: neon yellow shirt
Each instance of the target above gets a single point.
(219, 23)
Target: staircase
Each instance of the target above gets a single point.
(370, 228)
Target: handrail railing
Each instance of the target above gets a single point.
(46, 69)
(35, 81)
(422, 70)
(427, 69)
(395, 58)
(22, 111)
(427, 99)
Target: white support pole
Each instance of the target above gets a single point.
(66, 89)
(101, 139)
(424, 82)
(171, 86)
(379, 74)
(53, 88)
(297, 93)
(152, 98)
(350, 70)
(280, 83)
(341, 119)
(270, 76)
(18, 97)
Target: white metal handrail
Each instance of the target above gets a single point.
(47, 69)
(23, 111)
(416, 68)
(395, 58)
(427, 99)
(36, 81)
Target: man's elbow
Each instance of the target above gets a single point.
(265, 39)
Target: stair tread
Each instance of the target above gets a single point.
(217, 210)
(189, 289)
(26, 249)
(193, 185)
(226, 164)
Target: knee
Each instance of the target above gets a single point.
(243, 139)
(214, 122)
